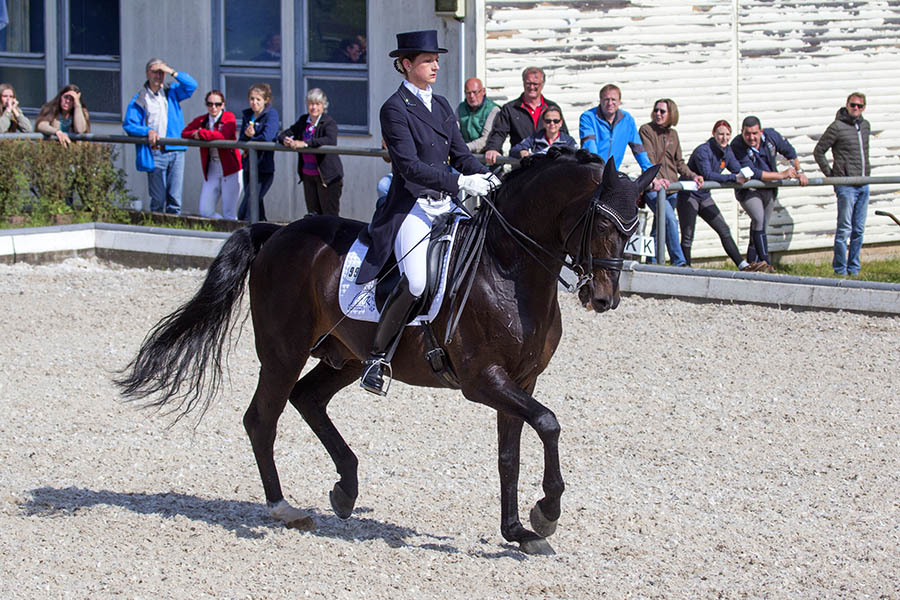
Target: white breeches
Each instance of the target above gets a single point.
(411, 244)
(216, 185)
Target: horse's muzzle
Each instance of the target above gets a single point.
(598, 302)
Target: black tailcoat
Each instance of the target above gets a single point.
(422, 145)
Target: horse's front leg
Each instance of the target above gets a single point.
(514, 407)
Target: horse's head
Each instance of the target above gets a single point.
(609, 221)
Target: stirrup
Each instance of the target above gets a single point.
(377, 385)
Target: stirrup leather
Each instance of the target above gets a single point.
(373, 376)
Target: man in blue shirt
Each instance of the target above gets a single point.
(607, 131)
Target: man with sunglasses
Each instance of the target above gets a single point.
(155, 112)
(848, 139)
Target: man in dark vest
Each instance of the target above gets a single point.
(476, 115)
(521, 117)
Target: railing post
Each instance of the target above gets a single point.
(253, 182)
(661, 226)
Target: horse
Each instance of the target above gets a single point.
(556, 206)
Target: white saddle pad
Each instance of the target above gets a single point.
(358, 301)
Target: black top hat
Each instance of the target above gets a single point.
(412, 42)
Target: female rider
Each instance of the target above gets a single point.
(423, 140)
(708, 159)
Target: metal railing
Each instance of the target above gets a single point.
(676, 186)
(253, 148)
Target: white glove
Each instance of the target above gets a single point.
(475, 185)
(492, 180)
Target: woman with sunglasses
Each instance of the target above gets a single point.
(551, 134)
(709, 159)
(65, 114)
(222, 166)
(664, 148)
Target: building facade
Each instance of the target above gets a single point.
(791, 63)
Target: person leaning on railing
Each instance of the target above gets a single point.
(64, 114)
(11, 119)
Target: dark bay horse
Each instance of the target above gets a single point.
(505, 337)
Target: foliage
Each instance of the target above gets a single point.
(887, 270)
(44, 180)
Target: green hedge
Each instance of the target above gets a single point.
(42, 180)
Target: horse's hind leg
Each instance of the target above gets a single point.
(310, 396)
(261, 422)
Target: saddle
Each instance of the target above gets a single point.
(438, 245)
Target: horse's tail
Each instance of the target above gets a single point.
(181, 358)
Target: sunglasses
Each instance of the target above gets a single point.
(214, 104)
(554, 121)
(661, 111)
(855, 105)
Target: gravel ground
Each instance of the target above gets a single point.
(758, 457)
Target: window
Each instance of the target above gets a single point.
(248, 50)
(330, 43)
(89, 54)
(335, 59)
(22, 55)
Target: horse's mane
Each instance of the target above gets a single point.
(534, 165)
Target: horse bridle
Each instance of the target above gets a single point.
(583, 264)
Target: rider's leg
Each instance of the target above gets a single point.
(411, 247)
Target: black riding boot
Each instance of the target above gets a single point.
(397, 312)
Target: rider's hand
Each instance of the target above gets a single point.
(492, 180)
(475, 185)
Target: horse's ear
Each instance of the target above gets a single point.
(647, 177)
(610, 174)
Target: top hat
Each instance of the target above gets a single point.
(412, 42)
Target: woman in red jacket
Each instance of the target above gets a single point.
(221, 168)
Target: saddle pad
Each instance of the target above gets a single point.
(358, 301)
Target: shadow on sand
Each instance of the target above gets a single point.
(244, 519)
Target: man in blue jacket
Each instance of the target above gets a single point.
(758, 149)
(155, 112)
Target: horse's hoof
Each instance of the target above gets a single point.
(291, 517)
(542, 526)
(537, 546)
(341, 503)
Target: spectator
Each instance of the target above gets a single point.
(848, 139)
(384, 184)
(758, 149)
(476, 115)
(348, 51)
(12, 120)
(660, 140)
(521, 117)
(259, 123)
(550, 134)
(65, 114)
(271, 46)
(221, 166)
(155, 112)
(707, 160)
(322, 174)
(607, 131)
